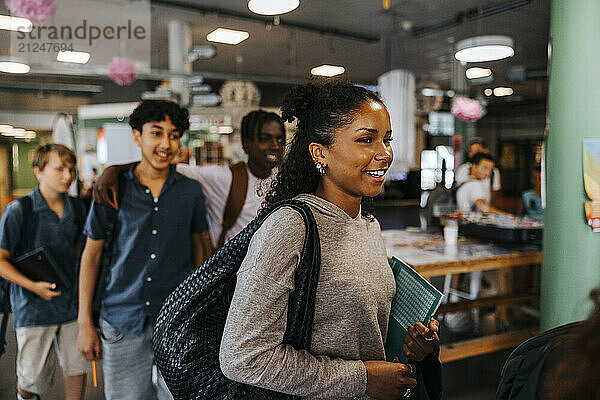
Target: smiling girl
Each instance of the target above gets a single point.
(338, 158)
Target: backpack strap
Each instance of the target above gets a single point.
(3, 327)
(106, 259)
(80, 213)
(235, 200)
(28, 226)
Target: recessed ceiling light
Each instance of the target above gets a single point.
(488, 92)
(327, 70)
(272, 7)
(78, 57)
(12, 66)
(227, 36)
(476, 72)
(13, 132)
(502, 91)
(4, 127)
(15, 24)
(18, 133)
(484, 48)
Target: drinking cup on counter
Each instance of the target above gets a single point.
(451, 233)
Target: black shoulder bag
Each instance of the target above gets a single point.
(188, 332)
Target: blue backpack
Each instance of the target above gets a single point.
(25, 244)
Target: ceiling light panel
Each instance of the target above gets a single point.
(503, 91)
(13, 67)
(484, 48)
(272, 7)
(77, 57)
(328, 70)
(15, 24)
(227, 36)
(477, 72)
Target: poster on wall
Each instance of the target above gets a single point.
(591, 180)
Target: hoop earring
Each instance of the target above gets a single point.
(320, 168)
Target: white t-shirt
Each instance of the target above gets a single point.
(471, 191)
(463, 173)
(216, 181)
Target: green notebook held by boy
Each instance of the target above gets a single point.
(416, 300)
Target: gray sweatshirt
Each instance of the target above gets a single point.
(352, 308)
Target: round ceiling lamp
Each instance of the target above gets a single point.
(13, 66)
(484, 48)
(272, 7)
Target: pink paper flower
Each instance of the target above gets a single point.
(466, 109)
(37, 11)
(122, 71)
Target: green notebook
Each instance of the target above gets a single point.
(416, 300)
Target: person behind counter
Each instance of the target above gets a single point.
(338, 157)
(475, 194)
(463, 172)
(532, 199)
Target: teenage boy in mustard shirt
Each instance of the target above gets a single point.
(44, 315)
(157, 242)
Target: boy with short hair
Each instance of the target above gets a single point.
(44, 316)
(475, 194)
(157, 242)
(463, 172)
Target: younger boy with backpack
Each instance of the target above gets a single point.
(157, 242)
(45, 314)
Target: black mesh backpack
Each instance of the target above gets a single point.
(188, 332)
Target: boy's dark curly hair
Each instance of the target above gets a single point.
(320, 107)
(156, 110)
(253, 121)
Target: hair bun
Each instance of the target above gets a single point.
(298, 103)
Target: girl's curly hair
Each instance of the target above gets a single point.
(320, 107)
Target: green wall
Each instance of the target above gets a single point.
(571, 261)
(22, 178)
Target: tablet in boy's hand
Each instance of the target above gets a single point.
(38, 265)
